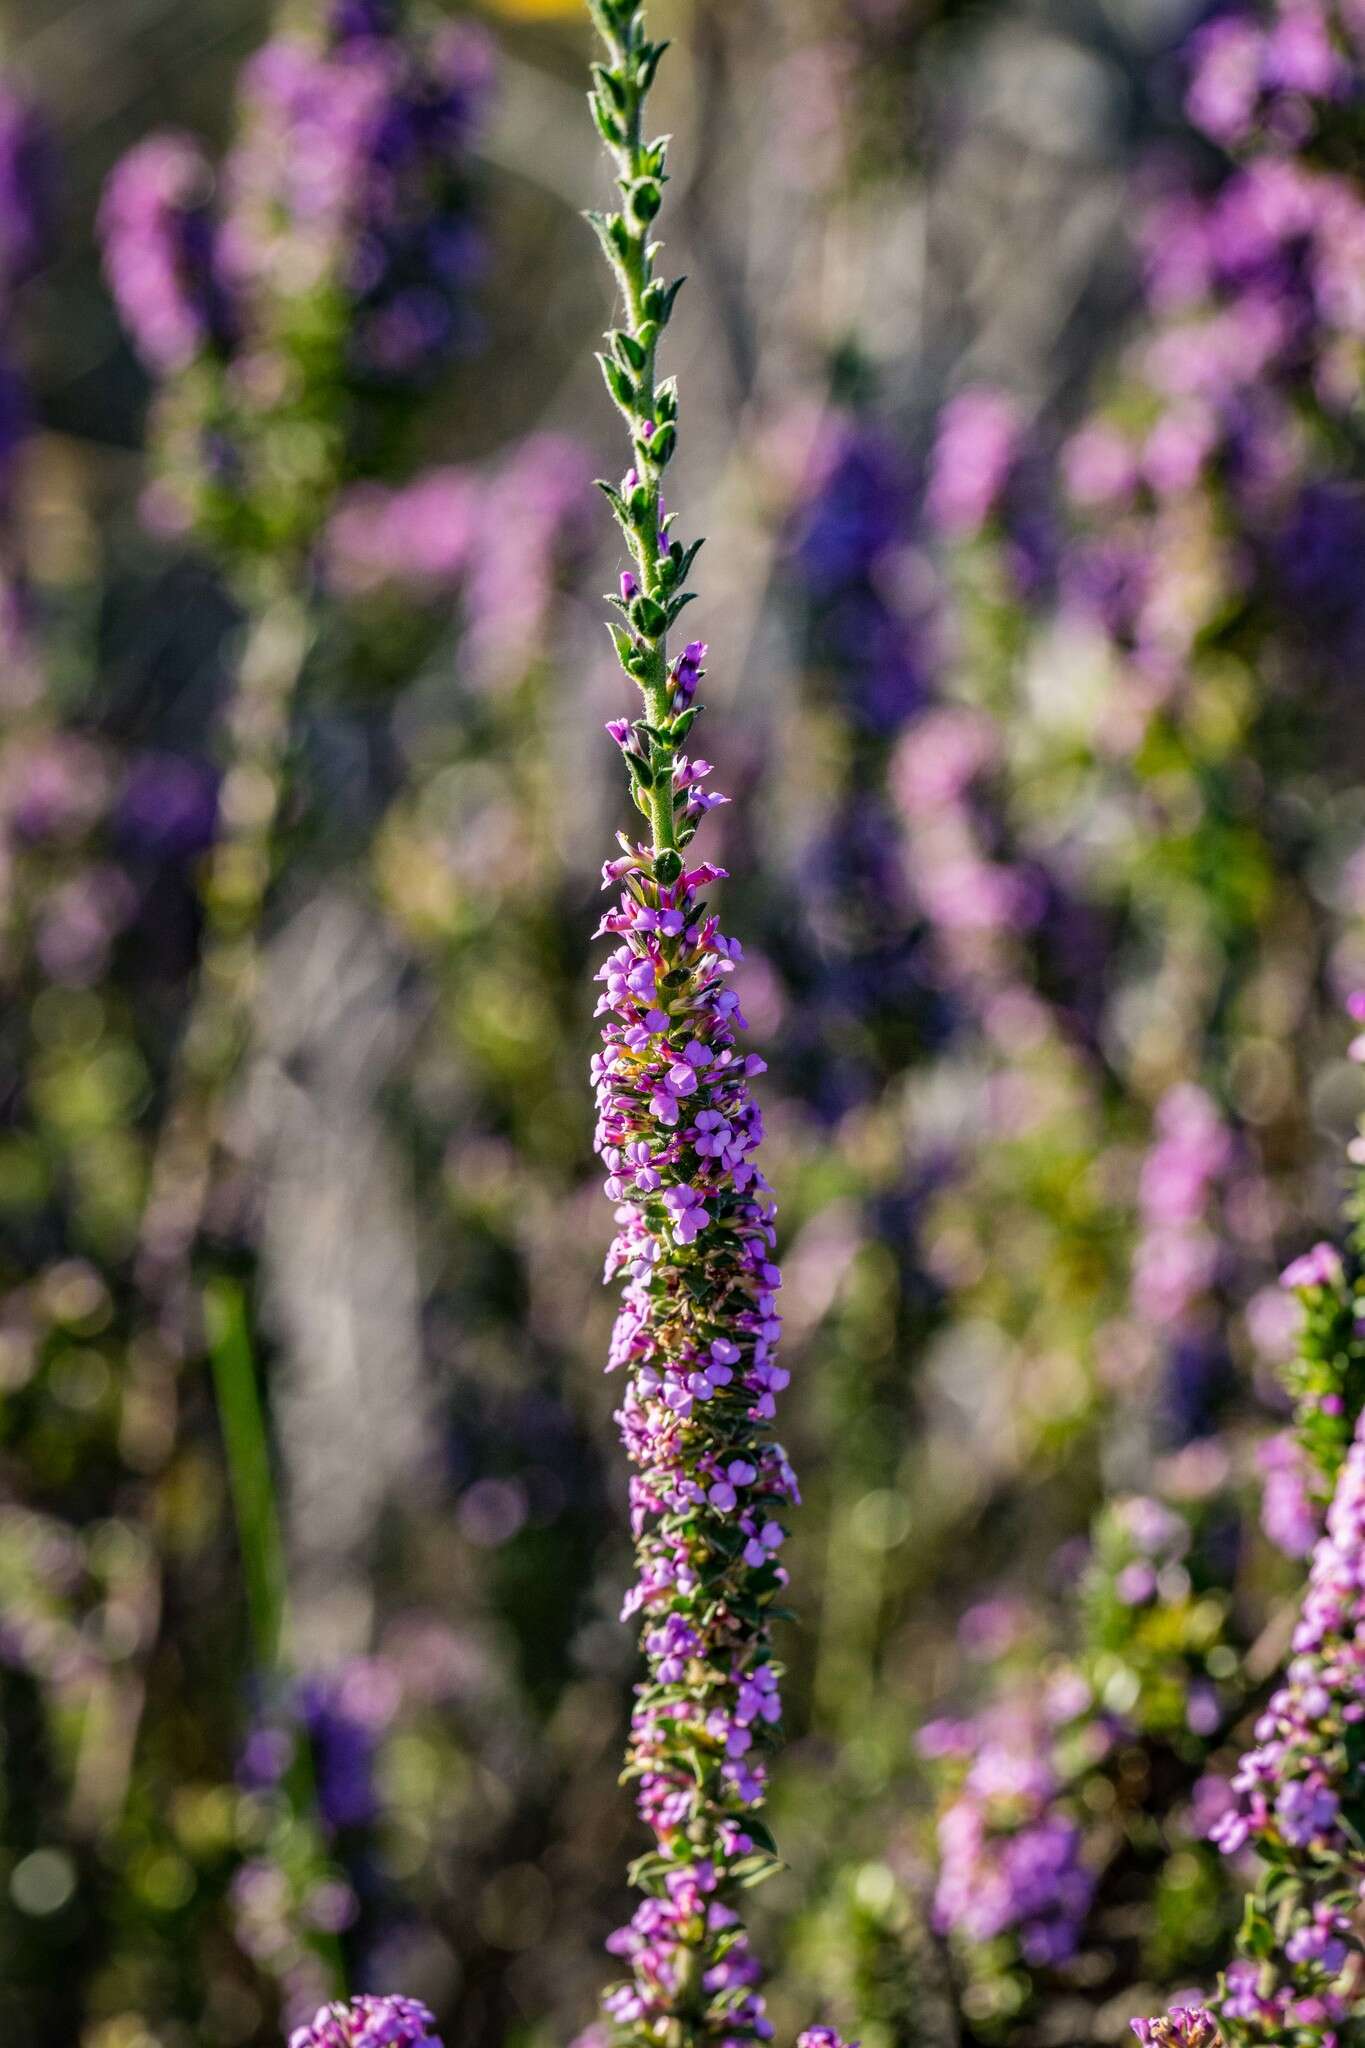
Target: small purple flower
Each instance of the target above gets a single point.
(1305, 1811)
(687, 673)
(687, 1213)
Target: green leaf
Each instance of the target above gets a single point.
(606, 123)
(647, 64)
(603, 226)
(613, 85)
(618, 384)
(647, 617)
(628, 349)
(645, 198)
(617, 503)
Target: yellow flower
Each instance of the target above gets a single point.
(537, 10)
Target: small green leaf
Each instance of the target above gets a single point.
(647, 64)
(618, 384)
(606, 123)
(628, 349)
(647, 617)
(612, 85)
(645, 198)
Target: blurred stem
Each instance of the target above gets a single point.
(250, 1468)
(247, 1451)
(234, 888)
(278, 636)
(850, 1611)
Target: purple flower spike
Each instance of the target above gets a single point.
(696, 1338)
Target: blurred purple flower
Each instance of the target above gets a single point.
(161, 252)
(27, 180)
(978, 444)
(1290, 1516)
(168, 806)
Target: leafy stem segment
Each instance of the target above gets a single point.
(653, 592)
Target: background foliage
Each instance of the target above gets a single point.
(1024, 415)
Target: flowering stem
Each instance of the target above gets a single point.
(679, 1132)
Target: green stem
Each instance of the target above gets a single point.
(622, 87)
(246, 1451)
(234, 889)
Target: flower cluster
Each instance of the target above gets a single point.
(1185, 2026)
(384, 2022)
(1051, 1788)
(1258, 324)
(1012, 1854)
(1326, 1373)
(287, 307)
(1251, 78)
(1295, 1797)
(1291, 1786)
(678, 1129)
